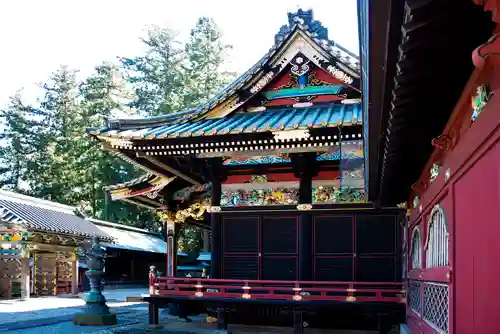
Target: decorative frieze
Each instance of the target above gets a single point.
(340, 75)
(262, 82)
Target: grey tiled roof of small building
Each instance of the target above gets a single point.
(36, 214)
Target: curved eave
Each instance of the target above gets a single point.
(377, 69)
(140, 181)
(268, 121)
(422, 98)
(146, 186)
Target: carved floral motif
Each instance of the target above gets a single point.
(434, 172)
(304, 207)
(480, 100)
(330, 194)
(340, 75)
(254, 197)
(416, 201)
(262, 82)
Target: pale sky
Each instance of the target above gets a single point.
(37, 36)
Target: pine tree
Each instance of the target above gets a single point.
(103, 95)
(21, 138)
(51, 173)
(205, 55)
(157, 77)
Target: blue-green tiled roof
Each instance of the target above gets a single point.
(269, 120)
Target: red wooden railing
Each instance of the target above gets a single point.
(280, 290)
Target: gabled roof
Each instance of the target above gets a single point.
(131, 238)
(41, 215)
(302, 34)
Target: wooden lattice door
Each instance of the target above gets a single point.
(63, 272)
(10, 269)
(45, 274)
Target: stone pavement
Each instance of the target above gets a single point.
(53, 308)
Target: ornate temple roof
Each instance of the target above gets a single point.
(301, 34)
(267, 101)
(278, 119)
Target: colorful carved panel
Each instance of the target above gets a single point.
(185, 193)
(260, 192)
(480, 100)
(315, 77)
(253, 197)
(329, 194)
(13, 235)
(351, 150)
(257, 160)
(352, 165)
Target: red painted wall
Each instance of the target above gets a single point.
(471, 202)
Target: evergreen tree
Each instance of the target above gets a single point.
(103, 94)
(157, 77)
(45, 152)
(53, 171)
(205, 55)
(21, 138)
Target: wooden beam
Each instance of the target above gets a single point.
(170, 169)
(138, 203)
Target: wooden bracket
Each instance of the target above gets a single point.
(491, 5)
(488, 49)
(418, 187)
(443, 142)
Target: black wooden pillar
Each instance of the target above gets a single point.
(217, 176)
(305, 168)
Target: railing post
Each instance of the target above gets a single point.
(221, 318)
(297, 296)
(350, 293)
(152, 279)
(199, 287)
(246, 291)
(298, 322)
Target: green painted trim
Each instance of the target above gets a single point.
(306, 91)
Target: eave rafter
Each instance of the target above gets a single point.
(417, 39)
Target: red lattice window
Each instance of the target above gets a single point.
(416, 249)
(436, 305)
(436, 249)
(428, 287)
(414, 299)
